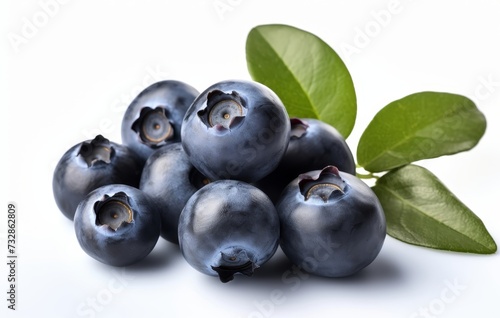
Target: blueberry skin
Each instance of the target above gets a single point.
(154, 117)
(313, 145)
(236, 130)
(228, 227)
(89, 165)
(117, 224)
(332, 223)
(170, 179)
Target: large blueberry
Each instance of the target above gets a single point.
(313, 145)
(228, 227)
(117, 225)
(170, 179)
(236, 130)
(89, 165)
(154, 117)
(332, 223)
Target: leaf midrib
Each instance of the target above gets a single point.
(403, 141)
(395, 194)
(308, 97)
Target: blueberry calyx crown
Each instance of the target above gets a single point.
(232, 261)
(325, 185)
(113, 211)
(153, 126)
(298, 128)
(97, 151)
(223, 111)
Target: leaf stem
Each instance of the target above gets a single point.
(365, 174)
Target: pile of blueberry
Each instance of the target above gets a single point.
(226, 175)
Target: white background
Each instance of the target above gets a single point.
(69, 70)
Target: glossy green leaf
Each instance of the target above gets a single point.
(306, 73)
(420, 210)
(420, 126)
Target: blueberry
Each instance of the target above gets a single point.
(313, 145)
(228, 227)
(154, 117)
(332, 223)
(170, 178)
(89, 165)
(236, 130)
(117, 225)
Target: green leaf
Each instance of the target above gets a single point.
(306, 73)
(420, 210)
(420, 126)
